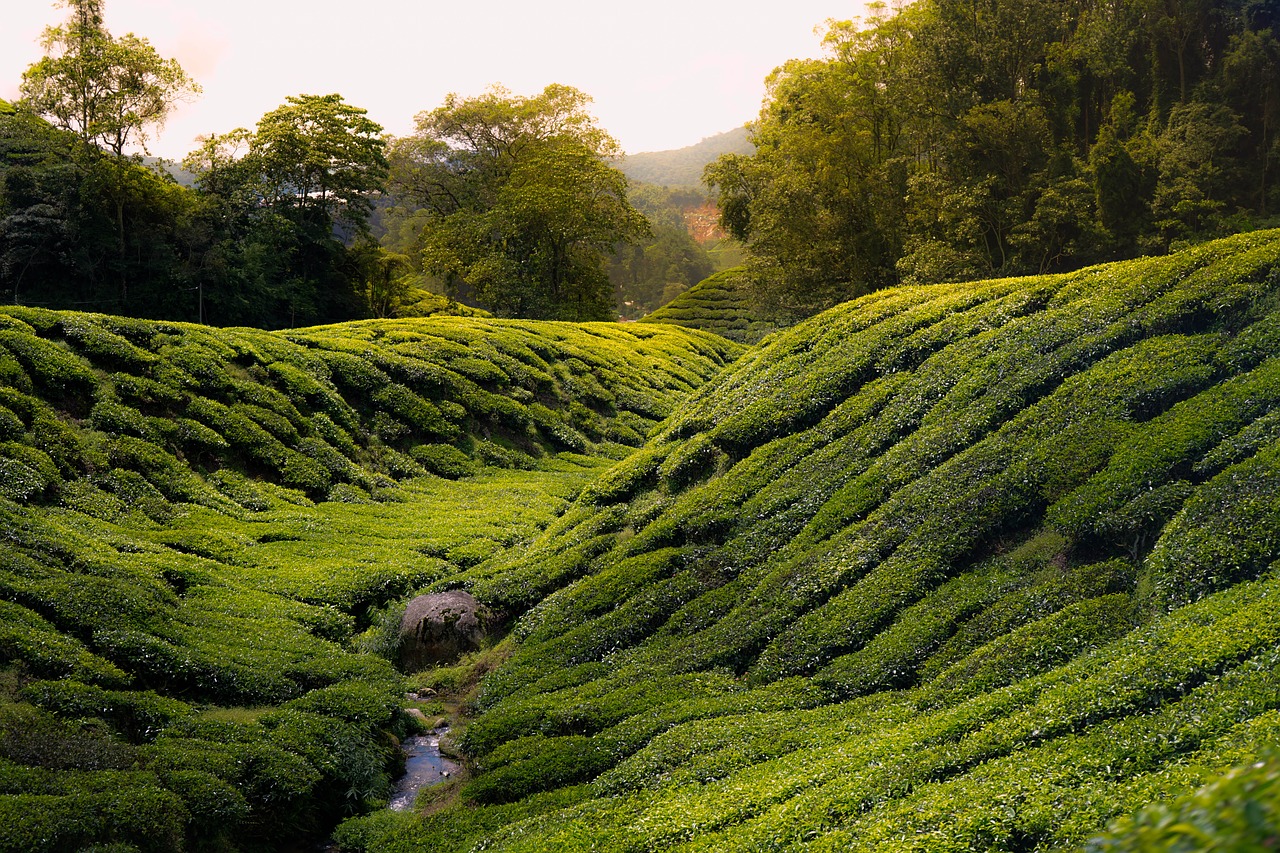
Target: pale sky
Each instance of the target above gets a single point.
(663, 73)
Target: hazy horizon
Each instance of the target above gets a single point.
(664, 76)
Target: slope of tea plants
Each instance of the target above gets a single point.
(197, 527)
(964, 567)
(721, 303)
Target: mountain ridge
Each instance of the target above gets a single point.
(682, 167)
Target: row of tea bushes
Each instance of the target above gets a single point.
(350, 407)
(722, 303)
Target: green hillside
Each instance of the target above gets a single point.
(682, 167)
(722, 304)
(958, 567)
(200, 530)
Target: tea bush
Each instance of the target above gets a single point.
(722, 303)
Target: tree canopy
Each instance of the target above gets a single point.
(511, 199)
(937, 140)
(950, 140)
(285, 194)
(315, 156)
(106, 90)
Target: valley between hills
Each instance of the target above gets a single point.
(978, 566)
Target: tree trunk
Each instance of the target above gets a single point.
(124, 281)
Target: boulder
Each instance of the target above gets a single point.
(440, 627)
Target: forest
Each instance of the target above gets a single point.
(947, 140)
(314, 215)
(937, 141)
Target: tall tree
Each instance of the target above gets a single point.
(288, 197)
(319, 155)
(818, 204)
(109, 91)
(515, 201)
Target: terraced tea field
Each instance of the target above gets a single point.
(721, 304)
(203, 531)
(982, 566)
(988, 566)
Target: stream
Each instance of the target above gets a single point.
(423, 766)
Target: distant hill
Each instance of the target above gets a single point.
(683, 166)
(181, 175)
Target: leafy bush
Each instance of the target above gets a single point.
(55, 370)
(136, 716)
(1239, 811)
(444, 460)
(103, 345)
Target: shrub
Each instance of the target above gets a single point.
(214, 808)
(112, 417)
(138, 716)
(146, 817)
(52, 367)
(355, 703)
(11, 426)
(104, 346)
(349, 494)
(303, 472)
(444, 460)
(19, 482)
(1238, 811)
(27, 637)
(492, 453)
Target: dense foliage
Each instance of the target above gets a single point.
(196, 525)
(506, 201)
(651, 272)
(948, 140)
(510, 200)
(969, 566)
(254, 244)
(83, 225)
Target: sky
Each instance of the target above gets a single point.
(663, 73)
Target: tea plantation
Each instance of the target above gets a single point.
(721, 303)
(989, 566)
(202, 530)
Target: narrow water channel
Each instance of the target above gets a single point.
(423, 766)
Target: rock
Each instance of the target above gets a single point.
(440, 627)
